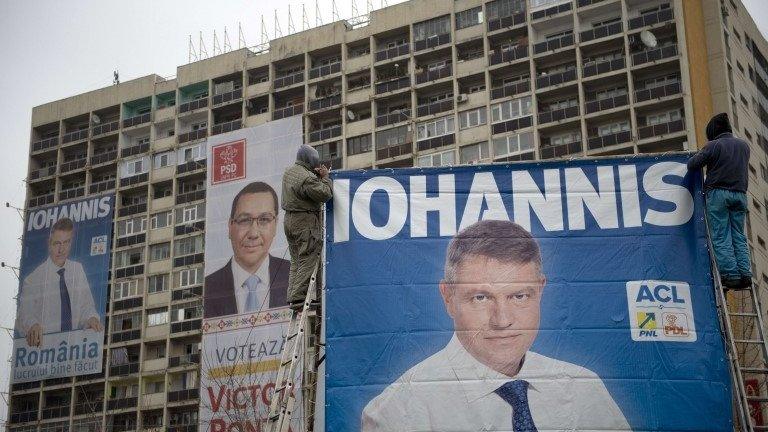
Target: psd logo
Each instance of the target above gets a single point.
(98, 245)
(228, 162)
(660, 311)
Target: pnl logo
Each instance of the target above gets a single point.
(660, 311)
(98, 245)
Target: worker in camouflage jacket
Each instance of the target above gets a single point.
(306, 187)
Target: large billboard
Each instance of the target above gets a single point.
(59, 328)
(573, 295)
(246, 274)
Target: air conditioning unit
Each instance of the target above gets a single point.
(462, 98)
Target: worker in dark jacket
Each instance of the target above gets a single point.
(306, 187)
(726, 158)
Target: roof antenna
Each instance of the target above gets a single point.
(115, 77)
(277, 27)
(291, 27)
(304, 18)
(241, 36)
(318, 18)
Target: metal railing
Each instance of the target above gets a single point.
(601, 31)
(193, 105)
(555, 79)
(228, 96)
(651, 18)
(434, 107)
(654, 54)
(393, 84)
(104, 157)
(226, 126)
(394, 117)
(435, 74)
(511, 89)
(192, 135)
(321, 71)
(432, 41)
(42, 172)
(607, 103)
(554, 10)
(393, 52)
(506, 21)
(71, 193)
(106, 128)
(137, 120)
(288, 111)
(509, 55)
(394, 151)
(45, 144)
(596, 68)
(73, 164)
(101, 186)
(77, 135)
(658, 92)
(184, 360)
(559, 150)
(288, 80)
(644, 132)
(325, 102)
(602, 141)
(324, 134)
(553, 44)
(558, 114)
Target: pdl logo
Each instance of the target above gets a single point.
(660, 311)
(228, 162)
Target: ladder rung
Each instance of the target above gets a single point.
(760, 428)
(757, 399)
(748, 341)
(755, 370)
(743, 314)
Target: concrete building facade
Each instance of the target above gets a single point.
(421, 83)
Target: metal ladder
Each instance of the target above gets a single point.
(748, 320)
(301, 346)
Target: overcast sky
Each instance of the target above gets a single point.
(52, 49)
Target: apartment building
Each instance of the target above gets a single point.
(422, 83)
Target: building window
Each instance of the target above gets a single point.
(469, 17)
(161, 220)
(157, 316)
(472, 118)
(435, 128)
(504, 8)
(190, 277)
(565, 138)
(134, 167)
(664, 117)
(186, 312)
(157, 283)
(126, 322)
(434, 27)
(159, 251)
(190, 214)
(164, 159)
(475, 153)
(437, 159)
(188, 246)
(541, 4)
(511, 109)
(130, 257)
(612, 128)
(512, 144)
(392, 137)
(127, 227)
(194, 152)
(151, 388)
(125, 288)
(359, 144)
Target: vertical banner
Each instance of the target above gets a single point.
(570, 295)
(59, 329)
(246, 268)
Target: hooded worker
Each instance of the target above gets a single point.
(726, 158)
(306, 187)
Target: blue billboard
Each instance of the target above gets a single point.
(571, 295)
(64, 272)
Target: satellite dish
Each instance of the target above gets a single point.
(648, 39)
(95, 119)
(350, 115)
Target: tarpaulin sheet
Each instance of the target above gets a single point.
(444, 313)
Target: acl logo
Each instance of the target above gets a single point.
(660, 311)
(228, 162)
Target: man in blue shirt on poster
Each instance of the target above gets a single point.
(726, 158)
(487, 378)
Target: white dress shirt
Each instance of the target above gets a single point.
(40, 299)
(452, 391)
(240, 275)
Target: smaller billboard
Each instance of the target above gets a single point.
(59, 329)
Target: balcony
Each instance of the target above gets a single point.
(134, 270)
(584, 3)
(226, 127)
(191, 166)
(599, 142)
(436, 142)
(183, 395)
(325, 102)
(393, 117)
(511, 89)
(78, 135)
(555, 79)
(74, 164)
(187, 293)
(393, 52)
(321, 71)
(134, 150)
(652, 18)
(105, 157)
(654, 54)
(598, 68)
(435, 74)
(192, 135)
(101, 186)
(512, 125)
(55, 412)
(193, 105)
(606, 104)
(71, 193)
(658, 92)
(558, 114)
(45, 144)
(228, 96)
(184, 360)
(124, 369)
(122, 403)
(559, 150)
(553, 44)
(645, 132)
(94, 407)
(188, 260)
(132, 209)
(125, 336)
(601, 32)
(42, 200)
(134, 180)
(507, 21)
(137, 120)
(432, 41)
(183, 428)
(434, 107)
(324, 134)
(187, 197)
(548, 12)
(189, 227)
(106, 128)
(393, 85)
(42, 172)
(185, 326)
(508, 55)
(24, 416)
(131, 303)
(288, 80)
(288, 111)
(396, 150)
(334, 163)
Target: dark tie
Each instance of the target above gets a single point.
(66, 306)
(515, 393)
